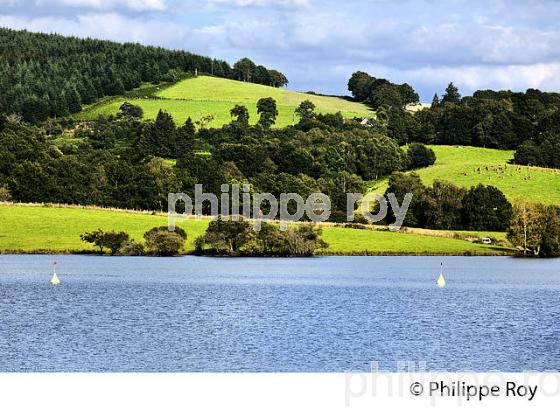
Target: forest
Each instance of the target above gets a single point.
(50, 76)
(123, 161)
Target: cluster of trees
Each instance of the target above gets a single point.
(48, 75)
(492, 119)
(123, 161)
(33, 170)
(159, 242)
(535, 229)
(321, 153)
(503, 120)
(238, 238)
(246, 70)
(379, 92)
(544, 151)
(446, 206)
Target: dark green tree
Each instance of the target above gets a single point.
(485, 208)
(243, 70)
(106, 240)
(225, 236)
(305, 111)
(400, 185)
(360, 85)
(528, 153)
(266, 108)
(130, 110)
(440, 206)
(435, 101)
(420, 156)
(451, 95)
(241, 115)
(160, 136)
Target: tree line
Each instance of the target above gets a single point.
(222, 237)
(246, 70)
(159, 241)
(446, 206)
(378, 92)
(48, 75)
(524, 121)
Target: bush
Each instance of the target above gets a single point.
(304, 240)
(354, 226)
(237, 238)
(161, 242)
(420, 156)
(131, 248)
(360, 219)
(5, 195)
(69, 149)
(338, 216)
(173, 75)
(130, 110)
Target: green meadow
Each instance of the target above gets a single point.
(469, 166)
(44, 229)
(202, 96)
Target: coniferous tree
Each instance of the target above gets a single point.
(451, 95)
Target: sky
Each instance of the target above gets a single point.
(318, 44)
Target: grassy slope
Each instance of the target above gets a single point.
(468, 166)
(201, 96)
(35, 228)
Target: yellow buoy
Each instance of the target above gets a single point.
(54, 279)
(441, 280)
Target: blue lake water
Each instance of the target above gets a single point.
(272, 314)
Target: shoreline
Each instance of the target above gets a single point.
(39, 229)
(321, 254)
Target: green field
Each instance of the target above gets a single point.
(202, 96)
(43, 229)
(468, 166)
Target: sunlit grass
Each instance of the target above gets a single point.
(54, 229)
(203, 96)
(469, 166)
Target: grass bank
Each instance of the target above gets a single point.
(52, 229)
(202, 96)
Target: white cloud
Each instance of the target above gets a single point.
(260, 3)
(469, 78)
(480, 43)
(133, 5)
(319, 48)
(113, 26)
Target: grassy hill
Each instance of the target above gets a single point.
(468, 166)
(202, 96)
(52, 229)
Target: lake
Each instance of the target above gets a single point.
(322, 314)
